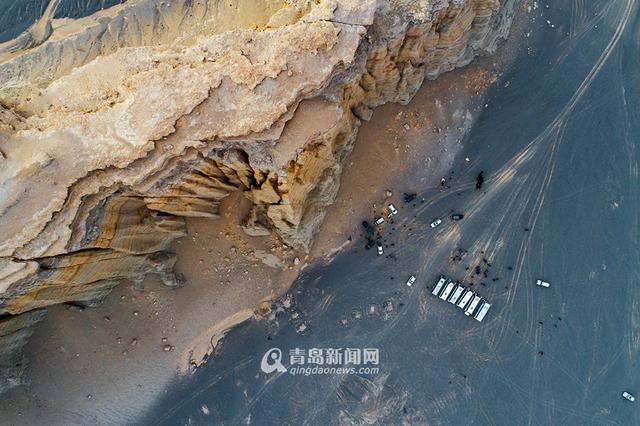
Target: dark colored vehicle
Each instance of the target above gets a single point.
(367, 226)
(457, 216)
(479, 180)
(409, 197)
(370, 244)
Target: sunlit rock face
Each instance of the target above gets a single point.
(115, 127)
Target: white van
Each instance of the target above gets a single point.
(473, 305)
(447, 290)
(438, 288)
(465, 299)
(482, 311)
(457, 294)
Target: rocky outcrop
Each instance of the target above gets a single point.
(119, 126)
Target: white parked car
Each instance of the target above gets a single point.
(435, 223)
(379, 221)
(448, 290)
(466, 299)
(439, 286)
(482, 312)
(542, 283)
(626, 395)
(473, 305)
(392, 210)
(411, 280)
(380, 250)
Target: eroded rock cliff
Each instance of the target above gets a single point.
(118, 126)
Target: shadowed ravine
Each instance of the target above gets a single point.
(17, 16)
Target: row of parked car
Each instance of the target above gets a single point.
(462, 297)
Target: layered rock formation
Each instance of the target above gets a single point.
(118, 127)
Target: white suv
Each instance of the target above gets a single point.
(411, 280)
(542, 283)
(435, 223)
(392, 210)
(626, 395)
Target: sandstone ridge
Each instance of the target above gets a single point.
(119, 126)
